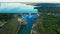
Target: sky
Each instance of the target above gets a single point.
(37, 1)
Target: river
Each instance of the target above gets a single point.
(26, 29)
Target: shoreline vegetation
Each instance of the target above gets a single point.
(46, 24)
(19, 26)
(49, 21)
(13, 23)
(11, 27)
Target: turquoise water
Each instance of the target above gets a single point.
(20, 8)
(26, 29)
(16, 8)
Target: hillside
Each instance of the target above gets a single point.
(11, 27)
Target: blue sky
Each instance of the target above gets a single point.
(16, 7)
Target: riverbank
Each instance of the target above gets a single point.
(19, 26)
(32, 31)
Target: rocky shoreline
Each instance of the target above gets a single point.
(33, 31)
(19, 26)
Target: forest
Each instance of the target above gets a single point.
(49, 20)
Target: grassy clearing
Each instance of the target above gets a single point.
(10, 27)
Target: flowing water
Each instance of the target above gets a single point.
(26, 29)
